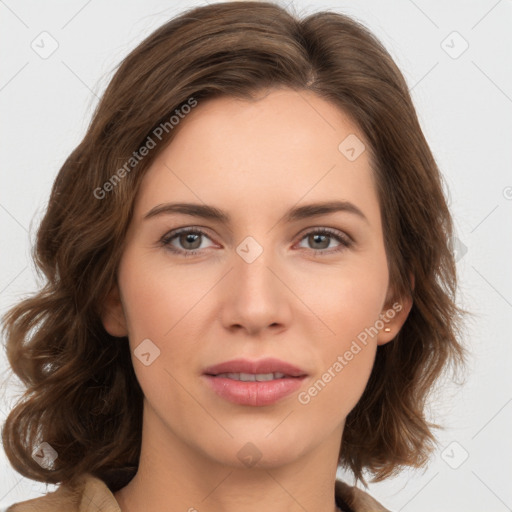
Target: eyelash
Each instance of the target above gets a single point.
(345, 242)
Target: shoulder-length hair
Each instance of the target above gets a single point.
(82, 394)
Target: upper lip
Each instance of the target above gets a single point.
(267, 365)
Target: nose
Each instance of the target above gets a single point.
(256, 296)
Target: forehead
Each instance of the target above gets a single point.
(256, 156)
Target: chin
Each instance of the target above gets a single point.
(258, 449)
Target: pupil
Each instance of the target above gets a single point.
(189, 238)
(315, 236)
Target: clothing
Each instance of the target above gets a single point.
(92, 495)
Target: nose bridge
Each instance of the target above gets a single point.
(253, 262)
(257, 297)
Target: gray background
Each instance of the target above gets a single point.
(464, 101)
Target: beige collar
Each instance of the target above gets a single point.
(92, 495)
(357, 499)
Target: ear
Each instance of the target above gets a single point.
(113, 317)
(394, 314)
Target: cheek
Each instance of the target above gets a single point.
(342, 376)
(346, 301)
(161, 304)
(349, 306)
(158, 299)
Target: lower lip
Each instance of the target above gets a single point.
(254, 393)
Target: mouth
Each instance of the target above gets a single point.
(254, 377)
(266, 369)
(254, 383)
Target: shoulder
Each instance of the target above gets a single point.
(89, 494)
(357, 499)
(64, 498)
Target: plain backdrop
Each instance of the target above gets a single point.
(456, 59)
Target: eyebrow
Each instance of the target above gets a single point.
(293, 214)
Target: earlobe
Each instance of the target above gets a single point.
(394, 317)
(113, 317)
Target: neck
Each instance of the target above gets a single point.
(175, 476)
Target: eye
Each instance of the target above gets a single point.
(190, 240)
(322, 237)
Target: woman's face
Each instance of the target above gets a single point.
(258, 283)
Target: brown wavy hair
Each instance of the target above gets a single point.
(82, 395)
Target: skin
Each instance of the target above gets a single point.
(254, 160)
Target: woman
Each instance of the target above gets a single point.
(304, 326)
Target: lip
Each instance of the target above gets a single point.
(254, 393)
(267, 365)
